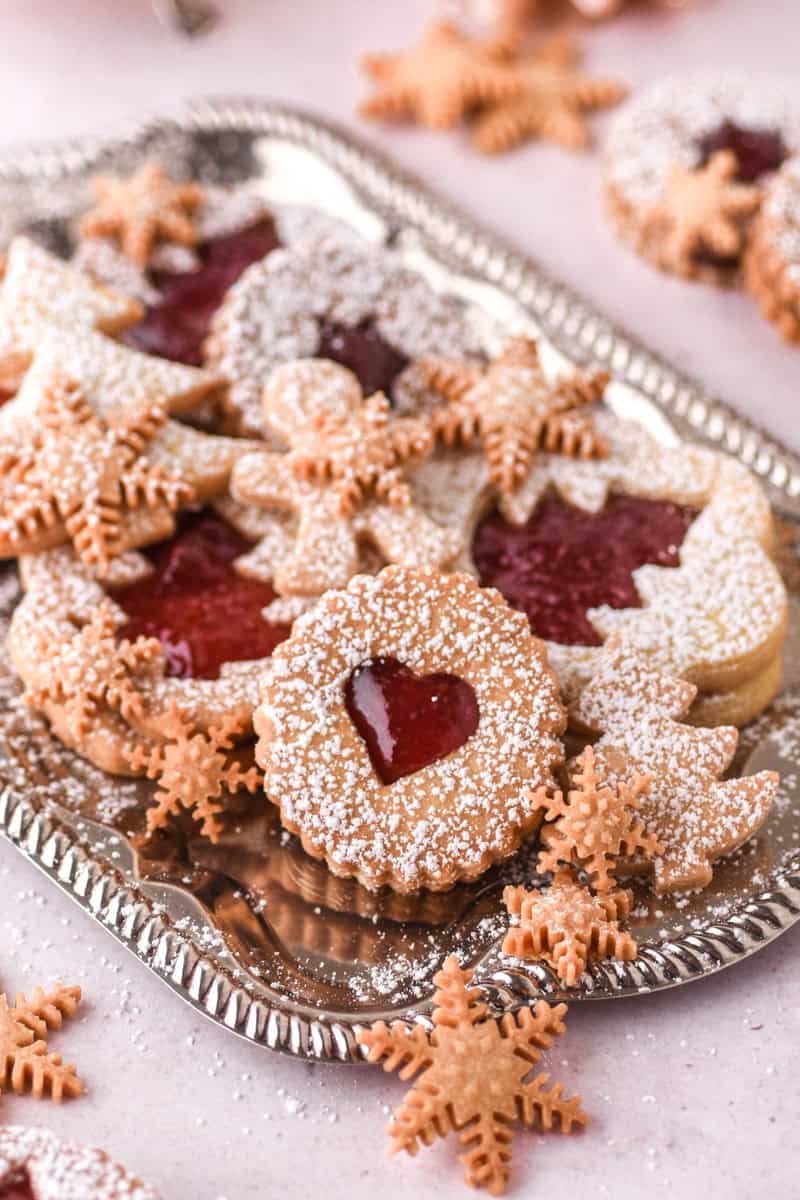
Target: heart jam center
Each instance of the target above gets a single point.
(363, 349)
(758, 151)
(177, 326)
(17, 1188)
(408, 721)
(564, 561)
(202, 611)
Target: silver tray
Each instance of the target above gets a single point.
(252, 933)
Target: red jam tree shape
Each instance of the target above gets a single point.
(177, 326)
(203, 612)
(758, 151)
(375, 363)
(564, 561)
(19, 1188)
(408, 721)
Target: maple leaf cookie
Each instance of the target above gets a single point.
(344, 480)
(439, 81)
(687, 163)
(772, 260)
(403, 726)
(331, 298)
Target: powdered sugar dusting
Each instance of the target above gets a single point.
(65, 1170)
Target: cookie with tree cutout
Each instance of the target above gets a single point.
(625, 541)
(695, 814)
(670, 195)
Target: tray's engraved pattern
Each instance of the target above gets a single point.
(134, 915)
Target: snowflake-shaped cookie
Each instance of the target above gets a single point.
(26, 1062)
(142, 209)
(472, 1077)
(512, 409)
(437, 82)
(552, 103)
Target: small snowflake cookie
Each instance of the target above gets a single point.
(772, 261)
(36, 1165)
(330, 298)
(687, 163)
(403, 727)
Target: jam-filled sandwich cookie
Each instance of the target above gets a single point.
(90, 452)
(772, 261)
(176, 247)
(330, 298)
(36, 1165)
(624, 539)
(403, 728)
(687, 164)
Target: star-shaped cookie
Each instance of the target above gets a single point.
(142, 209)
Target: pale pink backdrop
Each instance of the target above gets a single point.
(694, 1092)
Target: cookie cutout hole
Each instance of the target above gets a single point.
(375, 363)
(202, 611)
(408, 721)
(177, 326)
(564, 561)
(758, 151)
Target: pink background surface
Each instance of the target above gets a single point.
(693, 1092)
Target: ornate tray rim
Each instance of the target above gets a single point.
(130, 915)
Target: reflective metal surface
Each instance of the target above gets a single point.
(251, 931)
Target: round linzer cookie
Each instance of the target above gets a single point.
(404, 727)
(330, 298)
(669, 545)
(687, 162)
(772, 260)
(36, 1165)
(106, 661)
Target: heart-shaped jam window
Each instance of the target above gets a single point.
(408, 721)
(18, 1188)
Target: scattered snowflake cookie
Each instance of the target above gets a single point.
(628, 541)
(176, 625)
(357, 305)
(441, 80)
(36, 1165)
(553, 104)
(673, 192)
(403, 726)
(695, 815)
(473, 1076)
(343, 480)
(772, 261)
(26, 1062)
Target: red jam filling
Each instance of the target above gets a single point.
(203, 612)
(361, 347)
(564, 561)
(408, 721)
(177, 326)
(757, 151)
(18, 1188)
